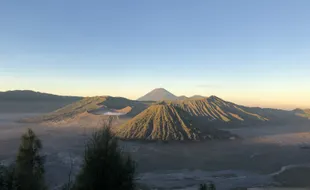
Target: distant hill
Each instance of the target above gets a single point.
(165, 122)
(197, 97)
(158, 94)
(302, 113)
(28, 95)
(93, 105)
(182, 98)
(30, 101)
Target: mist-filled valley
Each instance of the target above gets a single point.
(177, 144)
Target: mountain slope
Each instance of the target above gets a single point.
(158, 94)
(94, 105)
(217, 112)
(215, 109)
(165, 121)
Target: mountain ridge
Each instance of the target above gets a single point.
(21, 101)
(91, 105)
(29, 95)
(160, 94)
(191, 119)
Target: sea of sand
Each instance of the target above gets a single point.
(265, 156)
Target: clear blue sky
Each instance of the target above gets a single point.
(250, 52)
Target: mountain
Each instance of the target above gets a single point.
(158, 94)
(217, 112)
(32, 102)
(214, 109)
(166, 122)
(198, 119)
(193, 119)
(197, 97)
(182, 98)
(100, 105)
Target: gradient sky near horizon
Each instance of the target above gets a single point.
(251, 52)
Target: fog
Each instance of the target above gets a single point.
(252, 161)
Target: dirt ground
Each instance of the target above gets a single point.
(256, 160)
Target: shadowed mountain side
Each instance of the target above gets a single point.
(158, 94)
(96, 105)
(28, 95)
(32, 102)
(165, 122)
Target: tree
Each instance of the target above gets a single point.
(6, 177)
(209, 186)
(212, 186)
(203, 187)
(2, 176)
(29, 166)
(105, 166)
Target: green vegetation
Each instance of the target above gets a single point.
(29, 167)
(105, 166)
(208, 186)
(7, 177)
(28, 170)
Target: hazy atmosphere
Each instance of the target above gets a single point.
(154, 95)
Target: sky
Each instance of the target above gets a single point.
(255, 53)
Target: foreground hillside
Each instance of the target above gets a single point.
(93, 105)
(165, 121)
